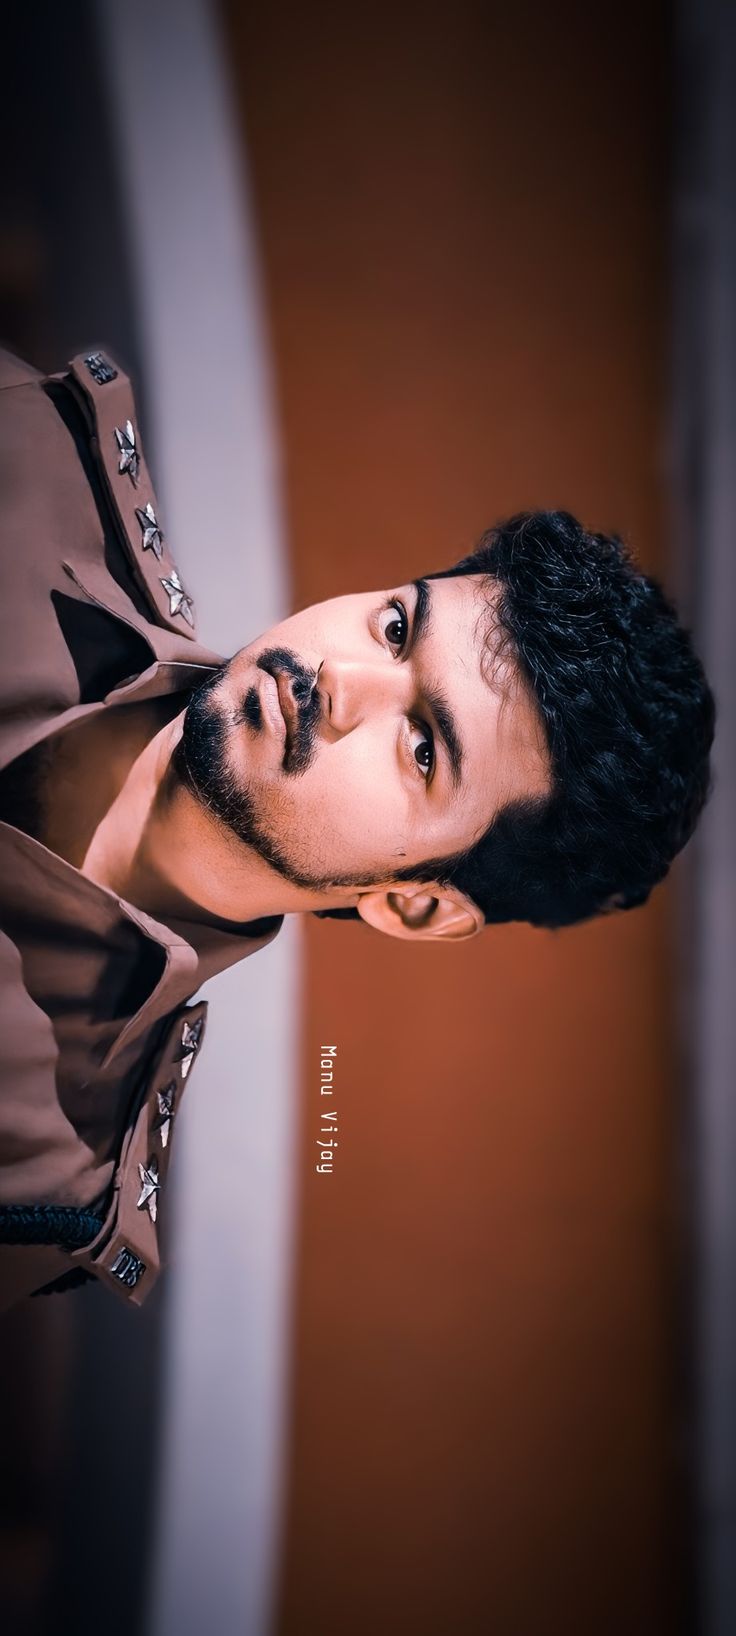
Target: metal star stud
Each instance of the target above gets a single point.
(190, 1036)
(150, 1187)
(166, 1111)
(127, 449)
(151, 530)
(179, 602)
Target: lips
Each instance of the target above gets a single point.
(291, 705)
(280, 706)
(288, 704)
(268, 692)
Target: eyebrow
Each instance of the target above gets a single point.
(438, 705)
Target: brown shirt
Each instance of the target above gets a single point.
(96, 1039)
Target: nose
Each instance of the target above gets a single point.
(353, 690)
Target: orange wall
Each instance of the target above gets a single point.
(463, 221)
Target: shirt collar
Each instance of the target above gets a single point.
(194, 951)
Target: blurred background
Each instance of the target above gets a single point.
(383, 274)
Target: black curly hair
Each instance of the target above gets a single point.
(629, 721)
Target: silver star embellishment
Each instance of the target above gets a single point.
(127, 449)
(153, 534)
(166, 1111)
(179, 602)
(189, 1045)
(150, 1185)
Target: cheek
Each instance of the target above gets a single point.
(301, 633)
(349, 801)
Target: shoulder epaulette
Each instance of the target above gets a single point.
(106, 396)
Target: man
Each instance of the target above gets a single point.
(524, 736)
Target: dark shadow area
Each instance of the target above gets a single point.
(79, 1407)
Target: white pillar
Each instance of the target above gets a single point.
(211, 429)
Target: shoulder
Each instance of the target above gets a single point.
(118, 473)
(14, 372)
(76, 490)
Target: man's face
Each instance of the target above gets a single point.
(366, 735)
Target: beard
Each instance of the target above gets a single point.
(201, 761)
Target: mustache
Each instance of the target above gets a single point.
(302, 738)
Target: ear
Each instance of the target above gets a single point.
(421, 913)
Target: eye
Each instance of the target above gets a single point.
(421, 743)
(393, 624)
